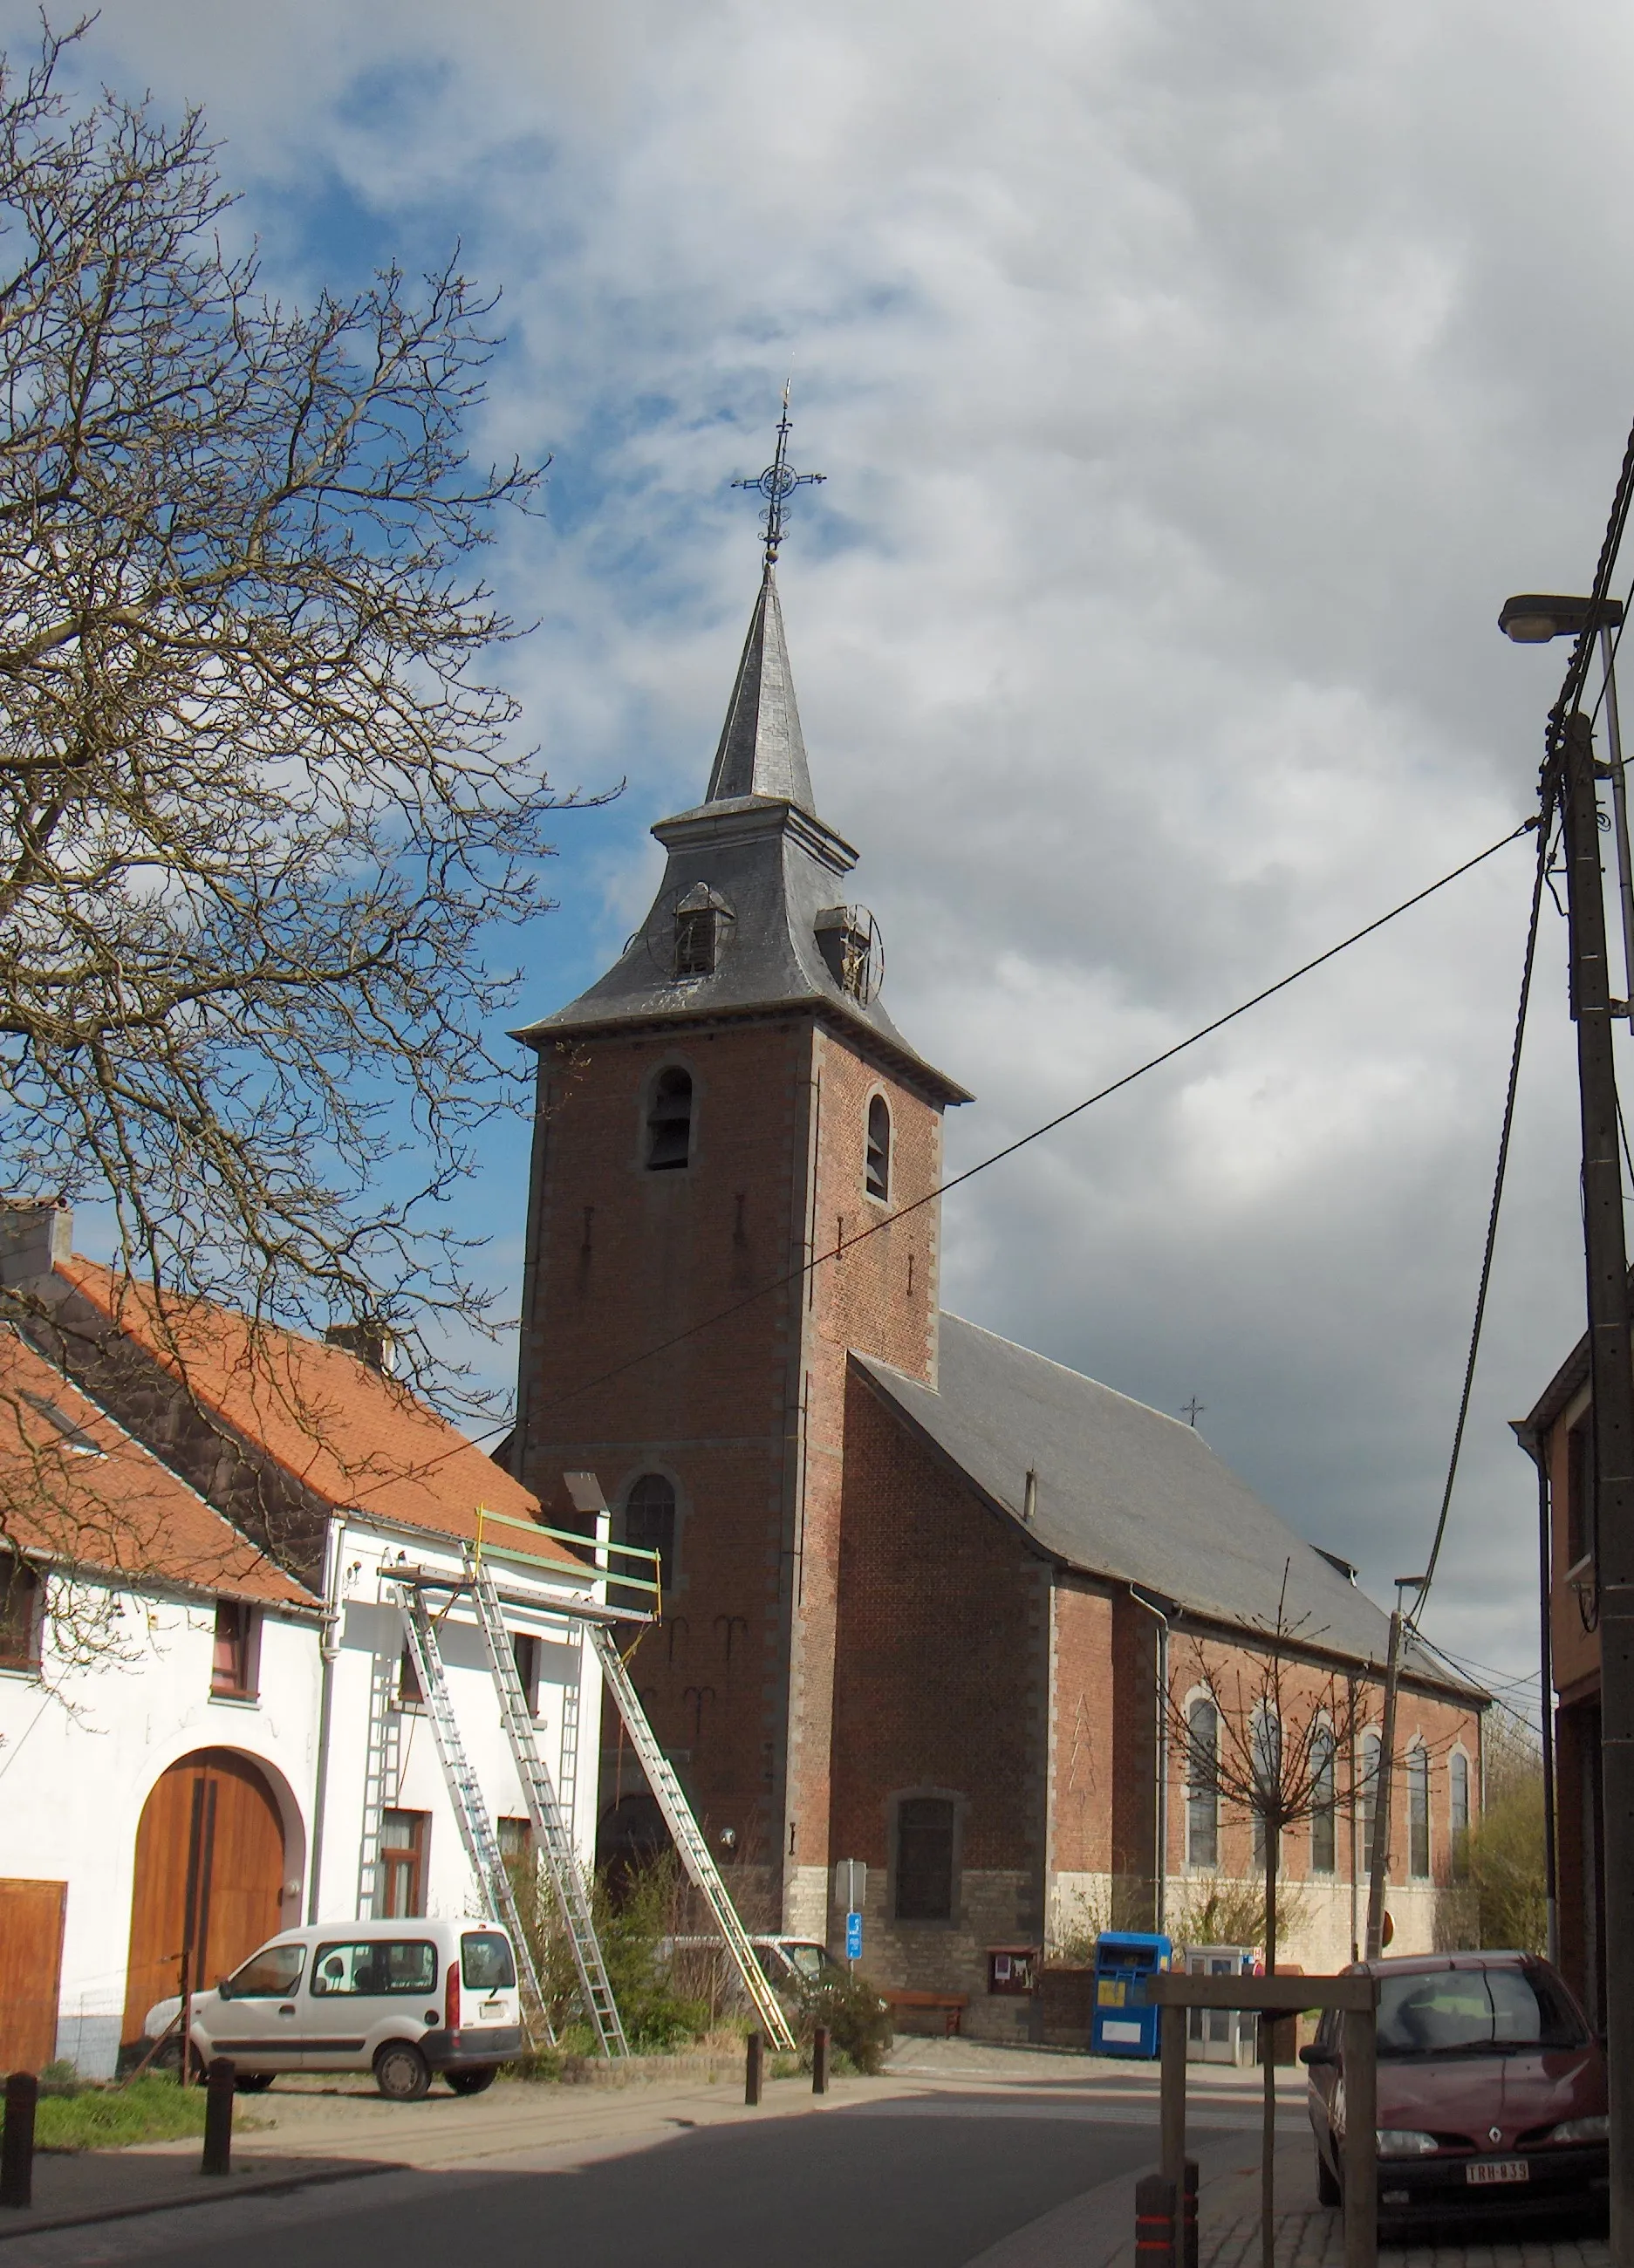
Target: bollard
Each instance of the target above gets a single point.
(17, 2148)
(752, 2068)
(1188, 2215)
(221, 2083)
(820, 2060)
(1155, 2222)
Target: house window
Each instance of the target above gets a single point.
(1419, 1814)
(1203, 1814)
(1367, 1792)
(401, 1864)
(411, 1694)
(1458, 1799)
(925, 1859)
(649, 1524)
(524, 1653)
(669, 1121)
(878, 1178)
(232, 1664)
(19, 1614)
(1267, 1757)
(1580, 1489)
(1324, 1803)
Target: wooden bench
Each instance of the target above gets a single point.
(950, 2005)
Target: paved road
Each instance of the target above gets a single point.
(928, 2182)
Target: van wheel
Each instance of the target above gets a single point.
(253, 2082)
(1327, 2189)
(472, 2082)
(401, 2072)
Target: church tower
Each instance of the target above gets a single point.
(732, 1150)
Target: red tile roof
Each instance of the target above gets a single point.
(77, 1490)
(352, 1436)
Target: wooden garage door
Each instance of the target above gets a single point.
(209, 1872)
(31, 1971)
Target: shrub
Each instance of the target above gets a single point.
(631, 1925)
(858, 2022)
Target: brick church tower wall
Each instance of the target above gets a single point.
(944, 1626)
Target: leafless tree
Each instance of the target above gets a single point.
(261, 814)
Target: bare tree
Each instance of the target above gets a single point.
(259, 814)
(1268, 1747)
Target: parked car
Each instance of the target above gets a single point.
(791, 1965)
(1491, 2089)
(402, 1999)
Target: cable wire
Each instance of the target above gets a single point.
(1492, 1212)
(1152, 1062)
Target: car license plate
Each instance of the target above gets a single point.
(1498, 2169)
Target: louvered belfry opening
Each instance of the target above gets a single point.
(669, 1121)
(696, 945)
(879, 1165)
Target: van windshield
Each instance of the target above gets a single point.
(485, 1962)
(270, 1974)
(1475, 2012)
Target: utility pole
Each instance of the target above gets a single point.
(1611, 1372)
(1381, 1791)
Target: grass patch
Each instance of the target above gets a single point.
(147, 2110)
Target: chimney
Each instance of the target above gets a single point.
(371, 1341)
(33, 1238)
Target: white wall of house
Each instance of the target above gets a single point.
(81, 1747)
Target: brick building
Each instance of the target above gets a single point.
(925, 1590)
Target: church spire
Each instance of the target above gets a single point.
(762, 749)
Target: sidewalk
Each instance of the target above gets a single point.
(322, 2131)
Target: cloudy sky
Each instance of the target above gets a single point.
(1192, 383)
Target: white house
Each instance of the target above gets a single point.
(208, 1728)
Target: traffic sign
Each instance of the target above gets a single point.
(853, 1937)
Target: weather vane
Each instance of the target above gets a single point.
(777, 484)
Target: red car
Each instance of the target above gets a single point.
(1492, 2088)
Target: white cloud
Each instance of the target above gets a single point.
(1193, 381)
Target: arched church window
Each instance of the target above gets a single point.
(669, 1121)
(1202, 1801)
(649, 1524)
(878, 1178)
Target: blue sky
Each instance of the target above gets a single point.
(1193, 382)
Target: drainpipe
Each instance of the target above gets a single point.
(1160, 1872)
(1535, 1447)
(328, 1655)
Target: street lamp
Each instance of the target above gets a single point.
(1532, 618)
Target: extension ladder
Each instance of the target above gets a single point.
(552, 1834)
(476, 1829)
(695, 1852)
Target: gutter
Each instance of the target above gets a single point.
(1161, 1807)
(328, 1655)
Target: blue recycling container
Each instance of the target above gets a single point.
(1125, 2023)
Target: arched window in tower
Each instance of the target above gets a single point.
(878, 1179)
(649, 1524)
(669, 1121)
(1203, 1799)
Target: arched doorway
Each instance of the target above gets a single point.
(631, 1835)
(208, 1877)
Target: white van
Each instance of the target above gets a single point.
(402, 1999)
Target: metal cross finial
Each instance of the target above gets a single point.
(1192, 1410)
(777, 484)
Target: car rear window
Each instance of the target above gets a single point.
(376, 1967)
(1474, 2011)
(485, 1961)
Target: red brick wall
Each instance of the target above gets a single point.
(1083, 1731)
(745, 1416)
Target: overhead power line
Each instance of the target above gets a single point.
(1102, 1094)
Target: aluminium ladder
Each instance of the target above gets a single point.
(695, 1852)
(476, 1829)
(552, 1834)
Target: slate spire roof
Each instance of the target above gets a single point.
(769, 874)
(762, 749)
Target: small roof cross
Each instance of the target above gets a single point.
(777, 484)
(1192, 1410)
